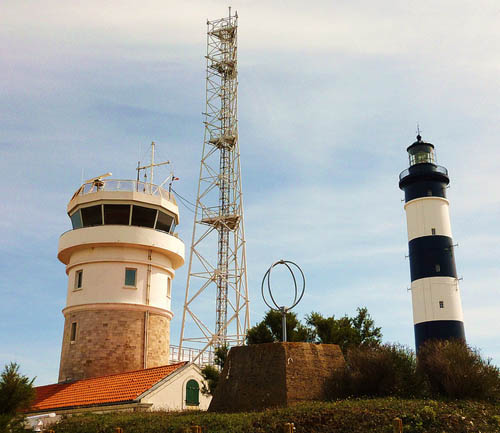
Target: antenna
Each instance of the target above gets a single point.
(217, 261)
(419, 135)
(151, 165)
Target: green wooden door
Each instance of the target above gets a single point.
(192, 393)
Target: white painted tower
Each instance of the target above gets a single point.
(437, 307)
(120, 257)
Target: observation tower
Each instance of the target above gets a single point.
(437, 307)
(120, 257)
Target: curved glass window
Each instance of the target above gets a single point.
(164, 222)
(92, 216)
(76, 220)
(143, 216)
(421, 153)
(123, 214)
(192, 393)
(117, 214)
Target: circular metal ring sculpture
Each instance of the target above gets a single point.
(299, 292)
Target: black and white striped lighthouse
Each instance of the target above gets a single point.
(437, 308)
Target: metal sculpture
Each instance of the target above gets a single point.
(282, 309)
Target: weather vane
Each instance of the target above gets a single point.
(282, 309)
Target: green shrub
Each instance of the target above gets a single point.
(455, 370)
(378, 371)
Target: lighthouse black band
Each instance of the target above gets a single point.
(432, 256)
(438, 330)
(424, 180)
(429, 188)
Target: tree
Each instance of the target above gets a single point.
(346, 331)
(16, 394)
(270, 329)
(211, 373)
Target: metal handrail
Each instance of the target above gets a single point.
(191, 354)
(436, 168)
(124, 185)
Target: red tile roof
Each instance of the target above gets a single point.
(115, 388)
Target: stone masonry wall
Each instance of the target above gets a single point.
(267, 375)
(158, 341)
(111, 341)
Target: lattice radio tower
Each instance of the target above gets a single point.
(217, 259)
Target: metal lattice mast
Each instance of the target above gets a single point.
(217, 261)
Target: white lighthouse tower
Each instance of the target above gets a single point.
(437, 308)
(120, 257)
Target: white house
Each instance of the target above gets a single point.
(170, 387)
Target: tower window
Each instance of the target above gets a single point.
(169, 288)
(433, 230)
(441, 304)
(130, 277)
(164, 222)
(78, 279)
(92, 216)
(117, 214)
(73, 332)
(76, 219)
(438, 268)
(143, 216)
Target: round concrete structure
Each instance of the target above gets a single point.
(120, 257)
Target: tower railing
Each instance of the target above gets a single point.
(415, 169)
(190, 354)
(125, 185)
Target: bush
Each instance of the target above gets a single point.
(378, 371)
(453, 369)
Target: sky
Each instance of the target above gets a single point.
(329, 97)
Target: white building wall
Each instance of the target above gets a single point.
(172, 394)
(104, 276)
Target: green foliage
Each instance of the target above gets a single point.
(455, 370)
(346, 331)
(347, 416)
(378, 370)
(443, 369)
(220, 356)
(270, 329)
(260, 333)
(16, 395)
(211, 373)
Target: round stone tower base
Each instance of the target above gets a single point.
(267, 375)
(112, 341)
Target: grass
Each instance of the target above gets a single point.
(346, 416)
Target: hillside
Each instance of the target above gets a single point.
(346, 416)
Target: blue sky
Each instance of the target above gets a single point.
(329, 97)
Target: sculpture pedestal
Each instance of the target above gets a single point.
(266, 375)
